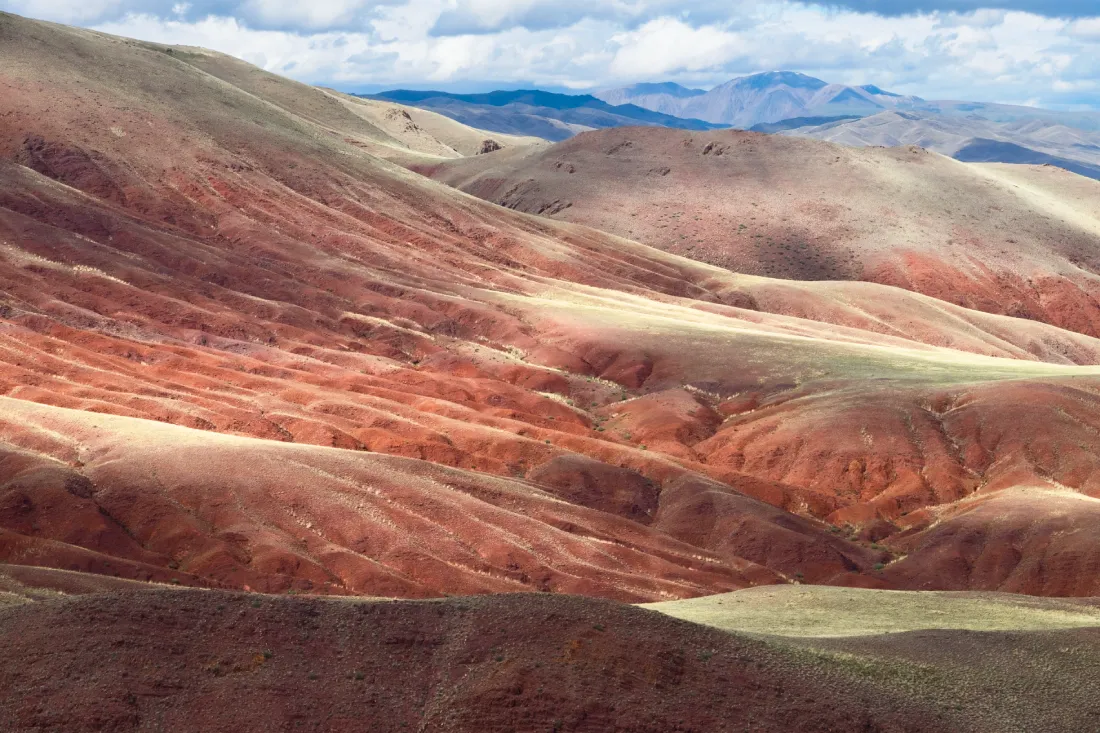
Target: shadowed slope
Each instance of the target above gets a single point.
(490, 664)
(223, 661)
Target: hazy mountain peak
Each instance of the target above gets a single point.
(766, 79)
(878, 92)
(851, 95)
(964, 136)
(666, 87)
(765, 97)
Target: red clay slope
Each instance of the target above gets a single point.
(1015, 240)
(148, 501)
(187, 240)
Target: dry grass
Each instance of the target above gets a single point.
(819, 611)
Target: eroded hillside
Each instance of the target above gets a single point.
(241, 348)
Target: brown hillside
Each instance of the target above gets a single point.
(188, 659)
(1014, 240)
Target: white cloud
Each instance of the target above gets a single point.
(1088, 28)
(311, 14)
(481, 16)
(63, 11)
(983, 55)
(668, 45)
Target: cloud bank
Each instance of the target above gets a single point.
(1017, 51)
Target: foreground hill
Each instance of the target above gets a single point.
(241, 348)
(83, 655)
(1014, 240)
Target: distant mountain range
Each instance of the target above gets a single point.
(761, 98)
(972, 138)
(790, 103)
(543, 114)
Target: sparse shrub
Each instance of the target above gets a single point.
(879, 566)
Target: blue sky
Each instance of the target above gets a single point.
(1040, 52)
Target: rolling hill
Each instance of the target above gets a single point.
(423, 134)
(1007, 239)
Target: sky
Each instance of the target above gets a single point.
(1037, 52)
